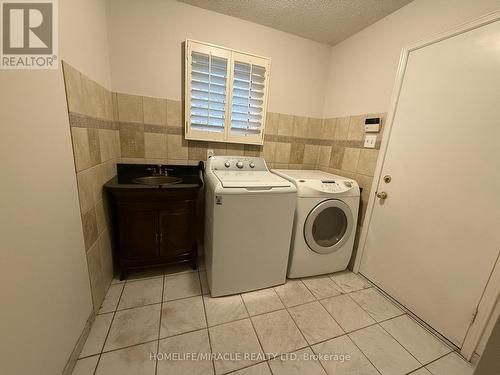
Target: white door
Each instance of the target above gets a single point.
(433, 242)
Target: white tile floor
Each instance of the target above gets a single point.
(337, 324)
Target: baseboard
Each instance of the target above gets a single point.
(70, 365)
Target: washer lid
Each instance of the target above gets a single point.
(251, 179)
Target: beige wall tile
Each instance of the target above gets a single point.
(285, 125)
(155, 145)
(296, 153)
(114, 102)
(218, 147)
(129, 108)
(282, 154)
(314, 128)
(95, 273)
(93, 98)
(155, 110)
(300, 128)
(336, 157)
(341, 128)
(252, 150)
(174, 113)
(177, 147)
(101, 217)
(235, 149)
(177, 162)
(328, 129)
(324, 156)
(346, 174)
(99, 175)
(269, 151)
(280, 166)
(311, 153)
(109, 143)
(86, 189)
(295, 166)
(89, 225)
(197, 150)
(132, 141)
(106, 258)
(81, 149)
(350, 159)
(367, 161)
(94, 146)
(74, 92)
(272, 123)
(356, 128)
(108, 105)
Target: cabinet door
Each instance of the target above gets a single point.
(177, 228)
(139, 238)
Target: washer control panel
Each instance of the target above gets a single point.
(335, 186)
(236, 163)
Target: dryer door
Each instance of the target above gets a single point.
(328, 226)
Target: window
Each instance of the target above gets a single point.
(226, 94)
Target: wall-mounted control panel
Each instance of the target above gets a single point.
(372, 124)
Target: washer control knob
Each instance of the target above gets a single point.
(239, 164)
(252, 165)
(227, 164)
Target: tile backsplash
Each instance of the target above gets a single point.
(108, 128)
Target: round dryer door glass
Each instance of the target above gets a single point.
(328, 226)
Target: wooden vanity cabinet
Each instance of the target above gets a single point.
(154, 227)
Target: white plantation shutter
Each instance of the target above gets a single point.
(247, 106)
(226, 94)
(208, 92)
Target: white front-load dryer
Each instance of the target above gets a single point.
(325, 221)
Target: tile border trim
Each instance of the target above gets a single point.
(78, 120)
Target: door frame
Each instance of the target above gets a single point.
(492, 289)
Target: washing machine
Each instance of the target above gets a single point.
(249, 215)
(325, 220)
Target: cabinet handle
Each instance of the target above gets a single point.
(161, 237)
(156, 237)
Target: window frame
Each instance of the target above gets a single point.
(231, 56)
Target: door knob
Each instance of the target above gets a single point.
(382, 195)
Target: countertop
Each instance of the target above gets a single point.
(188, 181)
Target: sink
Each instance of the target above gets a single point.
(157, 180)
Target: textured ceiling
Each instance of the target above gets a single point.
(325, 21)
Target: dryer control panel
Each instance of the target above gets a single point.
(335, 186)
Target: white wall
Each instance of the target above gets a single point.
(363, 67)
(84, 38)
(44, 284)
(145, 51)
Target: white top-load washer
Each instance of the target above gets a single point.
(248, 225)
(325, 222)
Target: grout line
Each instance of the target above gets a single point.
(419, 321)
(206, 320)
(109, 330)
(159, 325)
(250, 317)
(253, 326)
(404, 347)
